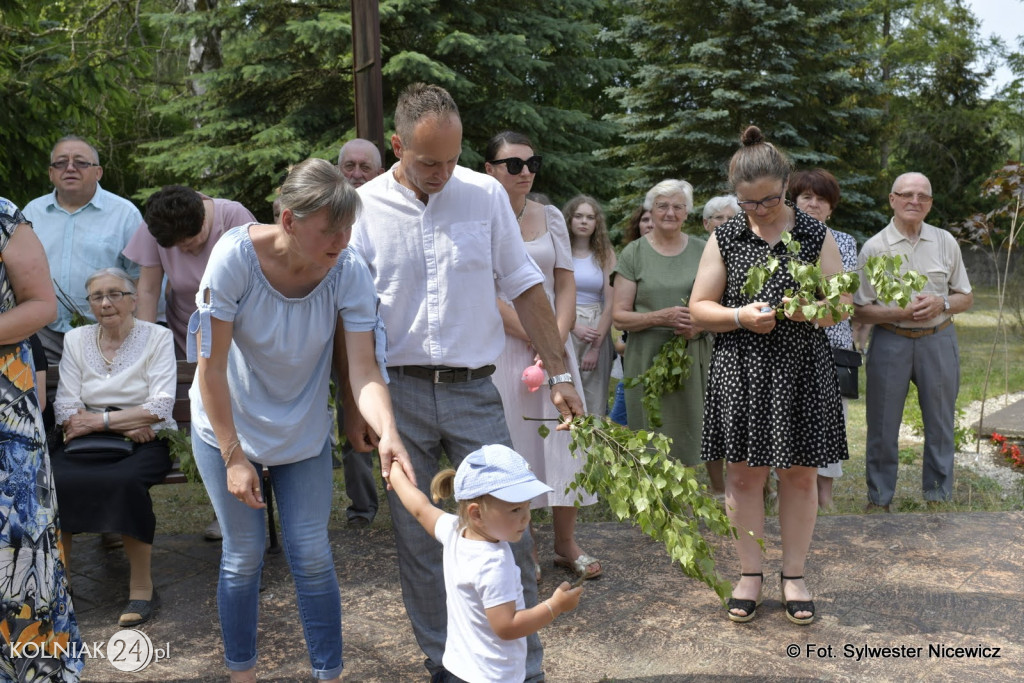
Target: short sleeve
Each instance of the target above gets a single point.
(958, 281)
(222, 286)
(497, 580)
(227, 279)
(445, 528)
(626, 266)
(143, 248)
(560, 238)
(10, 218)
(865, 294)
(357, 302)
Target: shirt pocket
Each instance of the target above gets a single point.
(471, 245)
(939, 280)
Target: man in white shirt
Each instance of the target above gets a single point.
(438, 238)
(913, 344)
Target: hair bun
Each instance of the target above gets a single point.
(752, 136)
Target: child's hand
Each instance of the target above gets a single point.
(565, 598)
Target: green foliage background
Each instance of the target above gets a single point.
(617, 95)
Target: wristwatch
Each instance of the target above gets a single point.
(945, 303)
(559, 379)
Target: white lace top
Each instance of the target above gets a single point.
(144, 374)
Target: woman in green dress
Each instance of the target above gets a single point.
(653, 279)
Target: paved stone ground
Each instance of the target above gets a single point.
(901, 580)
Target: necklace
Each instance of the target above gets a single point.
(99, 347)
(519, 216)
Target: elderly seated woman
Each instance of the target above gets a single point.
(116, 391)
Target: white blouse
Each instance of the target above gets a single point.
(144, 374)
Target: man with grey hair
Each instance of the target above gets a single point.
(913, 344)
(439, 239)
(359, 161)
(82, 227)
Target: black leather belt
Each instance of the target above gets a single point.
(441, 374)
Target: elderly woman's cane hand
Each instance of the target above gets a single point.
(244, 481)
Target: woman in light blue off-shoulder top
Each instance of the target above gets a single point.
(275, 304)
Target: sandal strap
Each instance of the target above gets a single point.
(790, 578)
(747, 606)
(794, 606)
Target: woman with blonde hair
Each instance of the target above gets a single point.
(276, 304)
(593, 262)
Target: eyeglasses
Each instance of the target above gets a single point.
(79, 164)
(914, 197)
(115, 297)
(664, 206)
(515, 164)
(767, 202)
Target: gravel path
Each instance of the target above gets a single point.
(985, 461)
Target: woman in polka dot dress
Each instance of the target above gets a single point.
(773, 396)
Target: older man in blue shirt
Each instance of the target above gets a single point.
(82, 227)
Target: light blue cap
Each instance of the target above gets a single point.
(498, 471)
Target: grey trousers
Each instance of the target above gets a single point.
(932, 363)
(454, 419)
(360, 484)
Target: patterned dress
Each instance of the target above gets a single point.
(772, 399)
(37, 621)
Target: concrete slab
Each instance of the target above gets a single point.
(1008, 421)
(919, 584)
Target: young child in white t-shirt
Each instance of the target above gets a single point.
(487, 619)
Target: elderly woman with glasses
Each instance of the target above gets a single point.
(773, 394)
(653, 279)
(718, 210)
(816, 193)
(117, 379)
(512, 161)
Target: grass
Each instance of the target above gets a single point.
(184, 508)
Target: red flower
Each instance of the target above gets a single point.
(998, 438)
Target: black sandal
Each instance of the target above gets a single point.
(144, 608)
(748, 606)
(794, 606)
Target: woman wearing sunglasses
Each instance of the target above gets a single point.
(511, 160)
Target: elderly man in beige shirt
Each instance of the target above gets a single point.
(913, 344)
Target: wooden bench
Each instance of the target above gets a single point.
(182, 414)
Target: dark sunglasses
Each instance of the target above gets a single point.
(515, 164)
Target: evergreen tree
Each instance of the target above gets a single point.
(941, 124)
(82, 68)
(704, 73)
(285, 90)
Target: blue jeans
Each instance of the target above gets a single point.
(303, 493)
(618, 411)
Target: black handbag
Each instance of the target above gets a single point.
(847, 362)
(109, 444)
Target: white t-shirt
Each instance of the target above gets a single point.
(479, 575)
(589, 280)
